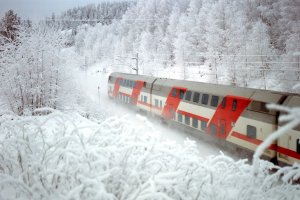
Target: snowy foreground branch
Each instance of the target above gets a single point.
(63, 156)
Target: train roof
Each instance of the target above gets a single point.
(224, 90)
(148, 79)
(215, 89)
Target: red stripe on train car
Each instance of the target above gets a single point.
(274, 147)
(252, 140)
(149, 105)
(193, 115)
(172, 102)
(136, 91)
(227, 115)
(117, 86)
(288, 152)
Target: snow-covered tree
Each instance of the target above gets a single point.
(10, 25)
(32, 72)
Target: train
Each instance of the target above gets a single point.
(234, 115)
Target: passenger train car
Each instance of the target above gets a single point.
(235, 115)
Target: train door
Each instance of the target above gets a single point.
(136, 91)
(117, 87)
(222, 128)
(172, 102)
(227, 114)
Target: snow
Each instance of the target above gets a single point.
(66, 156)
(91, 148)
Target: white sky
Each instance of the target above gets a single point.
(39, 9)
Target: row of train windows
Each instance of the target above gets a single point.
(158, 103)
(251, 130)
(195, 122)
(203, 99)
(124, 98)
(127, 83)
(196, 97)
(144, 98)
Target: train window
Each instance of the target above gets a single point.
(188, 95)
(251, 131)
(234, 104)
(142, 97)
(160, 103)
(298, 146)
(224, 102)
(214, 101)
(196, 97)
(213, 129)
(109, 78)
(263, 107)
(187, 120)
(181, 94)
(174, 91)
(156, 102)
(203, 125)
(259, 106)
(195, 123)
(204, 99)
(179, 118)
(145, 99)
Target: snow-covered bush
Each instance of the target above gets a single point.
(63, 156)
(33, 74)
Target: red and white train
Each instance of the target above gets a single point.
(232, 114)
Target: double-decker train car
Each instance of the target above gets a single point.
(238, 116)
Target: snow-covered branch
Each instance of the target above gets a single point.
(63, 156)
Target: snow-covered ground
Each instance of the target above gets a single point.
(66, 156)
